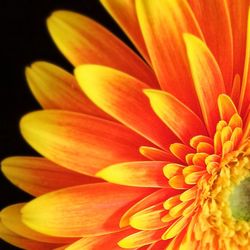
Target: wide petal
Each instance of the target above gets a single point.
(163, 37)
(121, 96)
(216, 27)
(55, 88)
(85, 210)
(80, 142)
(178, 117)
(245, 88)
(82, 41)
(37, 175)
(138, 174)
(238, 13)
(124, 13)
(207, 77)
(22, 242)
(11, 219)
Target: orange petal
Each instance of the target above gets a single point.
(149, 218)
(11, 219)
(207, 78)
(138, 174)
(85, 210)
(82, 41)
(180, 150)
(37, 175)
(246, 130)
(216, 27)
(156, 154)
(24, 243)
(235, 93)
(104, 242)
(141, 238)
(163, 37)
(152, 199)
(124, 13)
(178, 117)
(238, 13)
(226, 107)
(55, 88)
(245, 88)
(121, 96)
(178, 182)
(80, 142)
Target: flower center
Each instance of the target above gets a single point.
(240, 201)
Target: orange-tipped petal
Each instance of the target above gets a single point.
(207, 78)
(80, 142)
(22, 242)
(121, 96)
(226, 107)
(163, 37)
(37, 175)
(235, 93)
(216, 27)
(81, 210)
(55, 88)
(82, 41)
(141, 238)
(178, 117)
(245, 88)
(180, 150)
(11, 219)
(138, 174)
(124, 13)
(238, 13)
(152, 199)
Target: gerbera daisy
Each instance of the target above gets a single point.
(149, 152)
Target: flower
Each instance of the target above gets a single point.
(148, 153)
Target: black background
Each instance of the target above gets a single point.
(24, 39)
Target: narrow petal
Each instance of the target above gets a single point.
(178, 117)
(80, 142)
(207, 78)
(226, 107)
(141, 238)
(245, 88)
(216, 27)
(11, 219)
(81, 210)
(238, 13)
(138, 174)
(37, 175)
(163, 37)
(124, 13)
(121, 96)
(24, 243)
(82, 41)
(55, 88)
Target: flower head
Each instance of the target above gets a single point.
(150, 153)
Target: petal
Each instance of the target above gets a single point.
(22, 242)
(11, 219)
(138, 174)
(80, 142)
(82, 41)
(105, 242)
(55, 88)
(178, 117)
(207, 78)
(121, 96)
(238, 13)
(124, 13)
(216, 27)
(37, 175)
(152, 199)
(245, 88)
(141, 238)
(85, 210)
(226, 107)
(163, 37)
